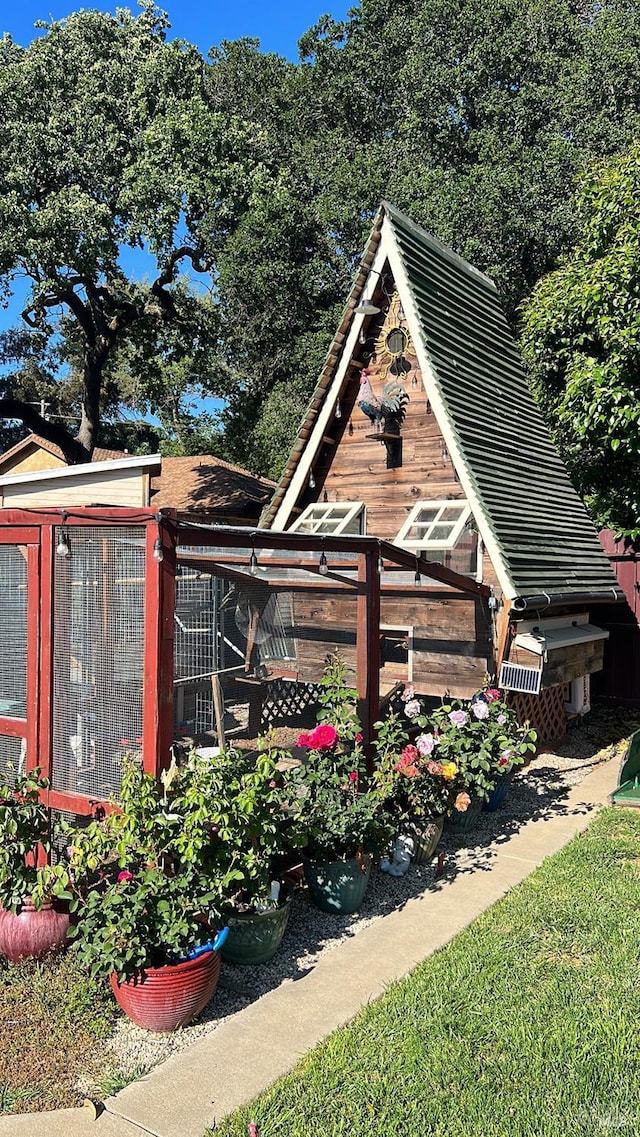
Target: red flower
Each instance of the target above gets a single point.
(409, 755)
(324, 737)
(492, 694)
(125, 875)
(358, 739)
(353, 776)
(303, 740)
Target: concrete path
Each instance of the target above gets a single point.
(195, 1088)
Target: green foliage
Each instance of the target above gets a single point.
(581, 337)
(26, 837)
(337, 810)
(415, 785)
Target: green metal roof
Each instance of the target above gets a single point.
(539, 528)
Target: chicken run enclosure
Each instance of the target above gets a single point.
(125, 630)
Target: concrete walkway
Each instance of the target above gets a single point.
(197, 1087)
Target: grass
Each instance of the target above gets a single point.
(52, 1023)
(526, 1025)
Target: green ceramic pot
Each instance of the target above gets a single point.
(338, 886)
(254, 937)
(460, 822)
(425, 836)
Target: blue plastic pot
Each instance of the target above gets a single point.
(498, 794)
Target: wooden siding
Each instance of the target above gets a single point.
(119, 487)
(38, 459)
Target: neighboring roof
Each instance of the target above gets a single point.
(202, 483)
(90, 470)
(99, 455)
(533, 522)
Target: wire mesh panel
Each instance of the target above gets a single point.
(12, 756)
(98, 658)
(13, 631)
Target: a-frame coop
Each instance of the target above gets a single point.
(422, 431)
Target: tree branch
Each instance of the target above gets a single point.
(53, 432)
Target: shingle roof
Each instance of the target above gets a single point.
(534, 521)
(99, 455)
(202, 483)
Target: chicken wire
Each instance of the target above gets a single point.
(12, 756)
(13, 631)
(98, 658)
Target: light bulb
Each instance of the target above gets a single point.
(312, 481)
(338, 410)
(62, 548)
(158, 552)
(323, 567)
(253, 563)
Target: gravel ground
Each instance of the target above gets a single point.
(536, 791)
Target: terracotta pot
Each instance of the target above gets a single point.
(426, 836)
(338, 886)
(165, 998)
(31, 933)
(254, 937)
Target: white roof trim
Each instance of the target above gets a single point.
(390, 248)
(325, 414)
(88, 469)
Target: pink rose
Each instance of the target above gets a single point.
(408, 692)
(412, 709)
(409, 755)
(324, 737)
(480, 709)
(458, 718)
(125, 875)
(425, 744)
(303, 740)
(462, 802)
(492, 694)
(358, 739)
(502, 719)
(353, 776)
(434, 767)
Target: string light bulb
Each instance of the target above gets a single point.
(158, 551)
(338, 410)
(62, 547)
(312, 481)
(253, 563)
(417, 580)
(323, 567)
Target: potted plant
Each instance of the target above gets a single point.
(481, 738)
(147, 897)
(420, 789)
(339, 815)
(244, 807)
(34, 914)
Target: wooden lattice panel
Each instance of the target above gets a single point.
(544, 712)
(286, 700)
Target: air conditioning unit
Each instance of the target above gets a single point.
(579, 696)
(516, 677)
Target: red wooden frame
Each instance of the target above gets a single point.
(35, 529)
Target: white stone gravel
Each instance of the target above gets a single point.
(535, 792)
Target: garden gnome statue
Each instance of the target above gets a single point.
(400, 857)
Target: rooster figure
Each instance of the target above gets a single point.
(387, 413)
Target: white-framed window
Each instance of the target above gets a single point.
(434, 525)
(331, 517)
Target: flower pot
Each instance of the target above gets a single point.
(32, 932)
(338, 886)
(461, 822)
(165, 998)
(254, 937)
(426, 835)
(498, 794)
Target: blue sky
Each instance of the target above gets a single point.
(277, 23)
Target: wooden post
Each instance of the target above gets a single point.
(368, 643)
(218, 709)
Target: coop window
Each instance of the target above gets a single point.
(434, 525)
(331, 517)
(396, 651)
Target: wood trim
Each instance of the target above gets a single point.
(47, 647)
(368, 644)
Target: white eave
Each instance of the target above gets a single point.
(92, 470)
(563, 635)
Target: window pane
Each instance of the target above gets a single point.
(13, 631)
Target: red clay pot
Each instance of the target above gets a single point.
(31, 932)
(167, 997)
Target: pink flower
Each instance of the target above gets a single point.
(358, 739)
(462, 802)
(480, 709)
(408, 692)
(353, 776)
(303, 740)
(458, 718)
(434, 767)
(492, 694)
(502, 719)
(125, 875)
(272, 785)
(324, 737)
(425, 744)
(412, 709)
(409, 755)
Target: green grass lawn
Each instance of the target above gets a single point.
(528, 1023)
(52, 1021)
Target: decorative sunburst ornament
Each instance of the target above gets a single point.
(394, 343)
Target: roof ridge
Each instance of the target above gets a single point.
(445, 250)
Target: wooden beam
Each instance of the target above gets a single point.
(368, 644)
